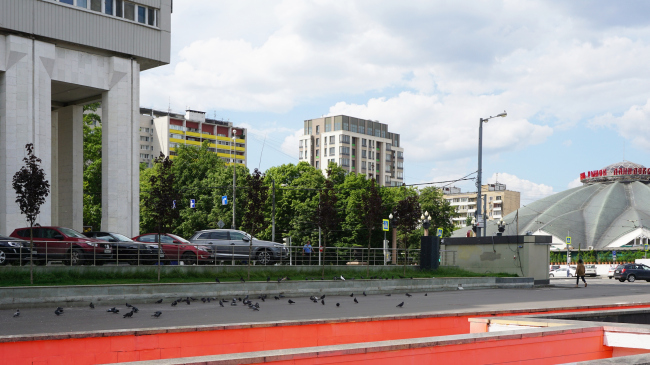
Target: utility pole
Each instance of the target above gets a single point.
(319, 234)
(273, 214)
(234, 179)
(479, 229)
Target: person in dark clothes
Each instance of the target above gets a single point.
(580, 273)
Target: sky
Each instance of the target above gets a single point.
(572, 76)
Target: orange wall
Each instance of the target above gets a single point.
(94, 350)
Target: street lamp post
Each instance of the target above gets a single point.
(479, 217)
(394, 231)
(234, 178)
(426, 222)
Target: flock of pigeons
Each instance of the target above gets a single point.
(245, 301)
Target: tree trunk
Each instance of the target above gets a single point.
(406, 254)
(159, 250)
(322, 274)
(368, 255)
(31, 249)
(250, 252)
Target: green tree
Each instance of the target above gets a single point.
(326, 216)
(431, 200)
(92, 168)
(407, 215)
(255, 196)
(31, 190)
(370, 209)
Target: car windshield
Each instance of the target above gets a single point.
(71, 233)
(121, 238)
(178, 238)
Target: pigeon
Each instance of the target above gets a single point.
(221, 303)
(60, 309)
(193, 299)
(128, 305)
(262, 298)
(204, 300)
(460, 287)
(242, 279)
(255, 308)
(158, 302)
(209, 300)
(400, 305)
(92, 306)
(217, 280)
(113, 310)
(58, 312)
(268, 278)
(401, 277)
(174, 303)
(157, 314)
(388, 295)
(322, 301)
(234, 302)
(351, 295)
(17, 313)
(276, 297)
(281, 295)
(134, 309)
(364, 294)
(342, 278)
(408, 295)
(337, 304)
(188, 302)
(291, 301)
(425, 294)
(356, 301)
(128, 315)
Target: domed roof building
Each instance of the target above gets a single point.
(610, 209)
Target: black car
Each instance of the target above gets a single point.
(14, 251)
(126, 250)
(632, 272)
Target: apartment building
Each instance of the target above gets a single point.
(163, 131)
(357, 145)
(498, 202)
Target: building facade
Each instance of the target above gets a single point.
(55, 57)
(162, 131)
(357, 145)
(499, 202)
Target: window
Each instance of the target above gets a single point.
(387, 178)
(80, 3)
(400, 165)
(344, 161)
(344, 139)
(108, 7)
(400, 175)
(317, 153)
(328, 125)
(300, 157)
(151, 17)
(400, 154)
(300, 145)
(364, 142)
(142, 14)
(363, 153)
(354, 152)
(388, 158)
(354, 163)
(344, 150)
(69, 2)
(498, 197)
(118, 10)
(317, 129)
(325, 152)
(353, 128)
(317, 142)
(129, 11)
(317, 164)
(361, 128)
(363, 165)
(332, 151)
(332, 139)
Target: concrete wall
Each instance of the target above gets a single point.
(526, 256)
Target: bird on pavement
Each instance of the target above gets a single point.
(92, 306)
(364, 294)
(221, 303)
(204, 300)
(157, 314)
(276, 297)
(351, 295)
(158, 301)
(217, 280)
(337, 304)
(323, 297)
(322, 301)
(356, 301)
(460, 287)
(134, 309)
(113, 310)
(401, 277)
(408, 295)
(425, 294)
(128, 315)
(17, 313)
(291, 301)
(174, 303)
(388, 295)
(58, 312)
(342, 278)
(268, 278)
(128, 305)
(242, 279)
(59, 309)
(400, 305)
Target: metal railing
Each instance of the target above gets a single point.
(56, 253)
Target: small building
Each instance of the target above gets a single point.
(499, 202)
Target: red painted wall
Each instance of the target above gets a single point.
(95, 350)
(222, 130)
(175, 122)
(206, 128)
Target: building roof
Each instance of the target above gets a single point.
(599, 214)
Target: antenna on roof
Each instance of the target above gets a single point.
(169, 106)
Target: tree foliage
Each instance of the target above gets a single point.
(255, 196)
(370, 212)
(92, 167)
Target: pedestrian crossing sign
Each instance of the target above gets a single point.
(568, 240)
(440, 232)
(386, 224)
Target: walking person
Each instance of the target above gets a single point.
(580, 273)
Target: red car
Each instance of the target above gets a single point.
(176, 248)
(60, 243)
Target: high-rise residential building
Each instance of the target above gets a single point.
(357, 145)
(163, 131)
(498, 202)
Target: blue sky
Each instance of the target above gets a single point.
(572, 75)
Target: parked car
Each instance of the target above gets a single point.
(554, 267)
(177, 248)
(632, 272)
(590, 270)
(126, 250)
(13, 250)
(232, 244)
(562, 272)
(610, 272)
(60, 243)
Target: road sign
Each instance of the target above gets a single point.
(479, 218)
(646, 247)
(224, 200)
(192, 203)
(614, 255)
(440, 232)
(386, 224)
(220, 224)
(568, 240)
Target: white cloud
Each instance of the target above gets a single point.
(529, 190)
(567, 143)
(575, 183)
(290, 143)
(634, 124)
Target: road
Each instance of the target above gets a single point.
(561, 293)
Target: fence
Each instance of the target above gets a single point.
(134, 253)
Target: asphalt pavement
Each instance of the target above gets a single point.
(561, 293)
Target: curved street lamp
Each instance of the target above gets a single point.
(480, 172)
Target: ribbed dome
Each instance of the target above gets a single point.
(622, 164)
(600, 214)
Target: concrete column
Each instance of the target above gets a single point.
(25, 117)
(70, 167)
(120, 148)
(54, 185)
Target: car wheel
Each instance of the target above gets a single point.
(551, 275)
(189, 258)
(631, 278)
(621, 280)
(75, 258)
(264, 257)
(3, 258)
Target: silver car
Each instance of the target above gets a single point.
(231, 244)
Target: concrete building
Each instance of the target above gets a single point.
(164, 131)
(499, 202)
(357, 145)
(55, 56)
